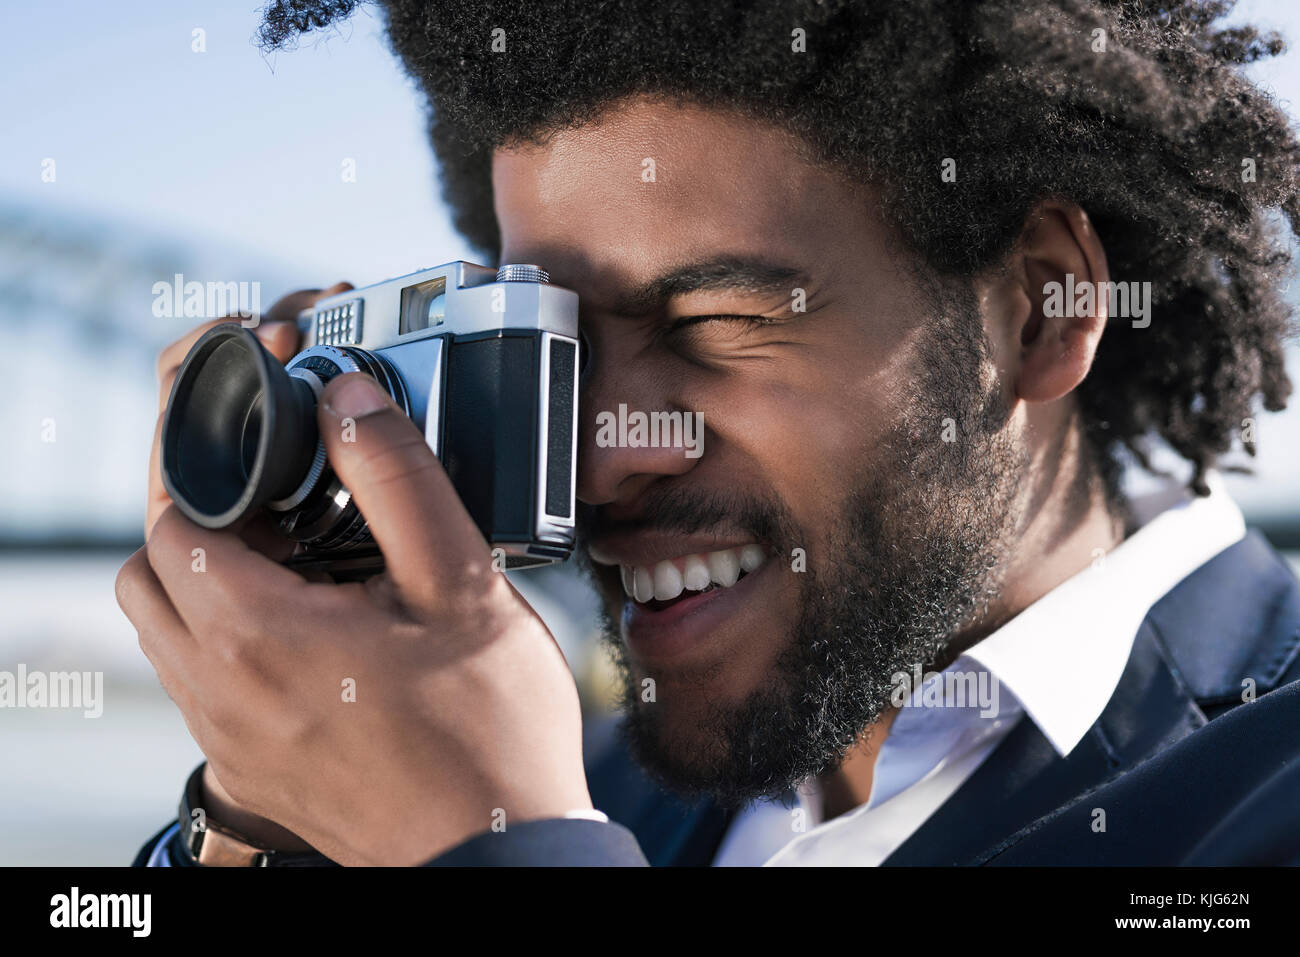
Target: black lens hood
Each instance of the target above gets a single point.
(238, 431)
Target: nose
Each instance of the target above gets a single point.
(616, 463)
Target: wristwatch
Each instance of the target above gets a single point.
(205, 843)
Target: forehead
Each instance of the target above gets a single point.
(651, 184)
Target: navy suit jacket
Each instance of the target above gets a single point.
(1188, 767)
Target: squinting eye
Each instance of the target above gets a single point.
(746, 322)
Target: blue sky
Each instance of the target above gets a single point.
(228, 144)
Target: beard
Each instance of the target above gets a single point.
(910, 564)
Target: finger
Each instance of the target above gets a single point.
(286, 309)
(215, 576)
(259, 532)
(140, 595)
(163, 637)
(428, 539)
(157, 499)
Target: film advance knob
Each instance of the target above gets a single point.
(521, 272)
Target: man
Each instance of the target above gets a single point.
(933, 275)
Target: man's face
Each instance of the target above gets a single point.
(856, 437)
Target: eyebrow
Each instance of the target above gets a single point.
(728, 273)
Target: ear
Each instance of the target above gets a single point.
(1061, 266)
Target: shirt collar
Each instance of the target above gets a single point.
(1062, 657)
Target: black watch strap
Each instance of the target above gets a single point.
(205, 843)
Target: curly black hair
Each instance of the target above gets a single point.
(1136, 111)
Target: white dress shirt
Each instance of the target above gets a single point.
(1057, 662)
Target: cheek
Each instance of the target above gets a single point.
(807, 433)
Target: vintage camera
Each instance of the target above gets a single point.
(485, 362)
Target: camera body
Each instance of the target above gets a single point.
(484, 361)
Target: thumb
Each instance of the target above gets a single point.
(429, 541)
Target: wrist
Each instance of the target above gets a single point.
(211, 840)
(221, 810)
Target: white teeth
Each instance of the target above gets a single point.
(751, 556)
(696, 575)
(724, 567)
(643, 584)
(668, 581)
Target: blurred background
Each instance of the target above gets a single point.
(152, 139)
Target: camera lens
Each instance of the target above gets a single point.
(252, 434)
(238, 432)
(320, 513)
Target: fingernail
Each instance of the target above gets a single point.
(356, 396)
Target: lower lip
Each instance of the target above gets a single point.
(685, 626)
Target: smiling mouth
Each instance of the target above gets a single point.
(666, 583)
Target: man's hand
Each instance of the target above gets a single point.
(278, 333)
(382, 722)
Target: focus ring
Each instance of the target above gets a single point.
(320, 512)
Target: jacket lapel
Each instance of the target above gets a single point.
(1199, 631)
(1024, 778)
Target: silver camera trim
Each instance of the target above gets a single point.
(477, 300)
(548, 525)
